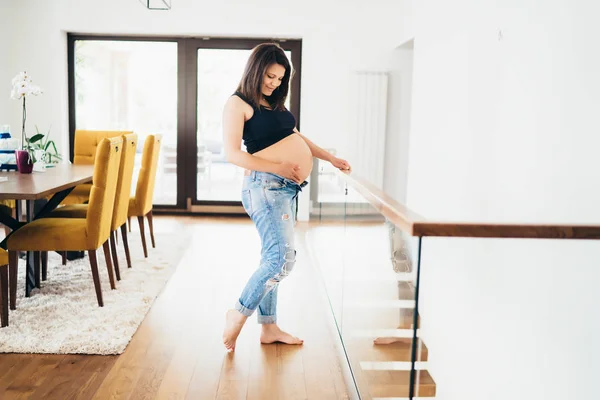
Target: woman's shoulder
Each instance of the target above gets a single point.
(236, 104)
(237, 100)
(241, 97)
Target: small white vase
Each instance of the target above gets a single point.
(40, 164)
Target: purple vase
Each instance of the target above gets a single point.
(24, 162)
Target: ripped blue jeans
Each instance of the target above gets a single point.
(270, 201)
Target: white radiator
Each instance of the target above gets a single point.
(368, 141)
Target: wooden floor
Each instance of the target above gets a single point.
(177, 351)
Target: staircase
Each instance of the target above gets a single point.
(379, 346)
(373, 308)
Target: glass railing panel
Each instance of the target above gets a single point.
(378, 302)
(368, 265)
(325, 238)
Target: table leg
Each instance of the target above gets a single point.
(54, 201)
(57, 198)
(18, 211)
(8, 220)
(30, 272)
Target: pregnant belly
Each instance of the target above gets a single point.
(292, 149)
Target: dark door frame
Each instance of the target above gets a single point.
(187, 83)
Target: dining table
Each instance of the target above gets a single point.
(52, 185)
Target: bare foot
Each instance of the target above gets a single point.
(271, 334)
(234, 321)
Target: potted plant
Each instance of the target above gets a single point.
(41, 149)
(23, 87)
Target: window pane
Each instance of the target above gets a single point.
(131, 85)
(219, 72)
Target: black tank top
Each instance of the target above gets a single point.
(266, 127)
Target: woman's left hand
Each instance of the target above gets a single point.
(340, 164)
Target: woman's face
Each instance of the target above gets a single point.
(272, 79)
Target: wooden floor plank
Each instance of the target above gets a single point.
(33, 376)
(96, 370)
(396, 383)
(179, 371)
(59, 381)
(152, 375)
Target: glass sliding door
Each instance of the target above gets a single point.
(130, 85)
(176, 87)
(219, 72)
(218, 65)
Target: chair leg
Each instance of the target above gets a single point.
(94, 266)
(37, 270)
(125, 244)
(113, 250)
(109, 266)
(13, 265)
(141, 222)
(4, 296)
(149, 216)
(129, 223)
(64, 257)
(44, 265)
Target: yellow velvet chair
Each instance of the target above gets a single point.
(79, 234)
(8, 203)
(119, 219)
(140, 205)
(84, 149)
(3, 288)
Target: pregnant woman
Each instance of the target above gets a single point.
(277, 163)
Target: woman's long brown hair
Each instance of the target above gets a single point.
(263, 56)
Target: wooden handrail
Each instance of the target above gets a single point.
(415, 225)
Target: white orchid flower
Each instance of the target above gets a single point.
(23, 86)
(21, 76)
(38, 90)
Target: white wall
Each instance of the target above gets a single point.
(339, 36)
(506, 128)
(398, 122)
(7, 15)
(405, 21)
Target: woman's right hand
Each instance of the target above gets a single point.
(288, 170)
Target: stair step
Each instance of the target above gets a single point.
(396, 383)
(376, 333)
(397, 398)
(407, 320)
(392, 365)
(364, 350)
(374, 277)
(391, 290)
(382, 303)
(377, 318)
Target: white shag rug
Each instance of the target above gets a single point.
(63, 317)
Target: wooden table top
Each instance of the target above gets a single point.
(38, 185)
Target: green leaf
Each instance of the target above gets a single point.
(55, 150)
(37, 137)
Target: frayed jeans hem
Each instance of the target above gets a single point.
(267, 319)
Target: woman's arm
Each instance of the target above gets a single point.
(324, 154)
(233, 129)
